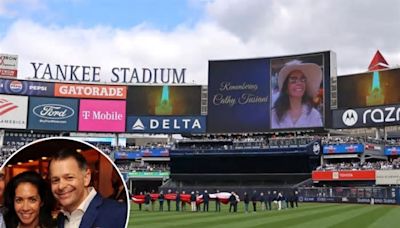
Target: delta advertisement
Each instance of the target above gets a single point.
(343, 149)
(102, 115)
(26, 88)
(167, 124)
(165, 109)
(13, 111)
(53, 114)
(164, 100)
(259, 95)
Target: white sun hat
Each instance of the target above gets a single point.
(311, 71)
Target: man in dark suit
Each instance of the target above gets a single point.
(178, 200)
(206, 198)
(270, 198)
(232, 202)
(254, 200)
(217, 202)
(81, 205)
(169, 200)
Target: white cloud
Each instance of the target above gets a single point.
(3, 8)
(230, 30)
(138, 47)
(353, 29)
(20, 8)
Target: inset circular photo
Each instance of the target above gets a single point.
(62, 182)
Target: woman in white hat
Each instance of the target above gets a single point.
(298, 84)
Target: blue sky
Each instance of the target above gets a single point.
(161, 14)
(189, 33)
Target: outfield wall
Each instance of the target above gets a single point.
(363, 195)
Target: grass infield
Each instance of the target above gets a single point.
(307, 215)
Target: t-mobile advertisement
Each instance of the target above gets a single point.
(102, 116)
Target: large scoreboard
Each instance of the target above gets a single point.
(34, 105)
(370, 99)
(258, 95)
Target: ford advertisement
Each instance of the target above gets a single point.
(53, 114)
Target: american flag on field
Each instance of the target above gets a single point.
(222, 196)
(6, 106)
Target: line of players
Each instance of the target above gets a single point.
(269, 201)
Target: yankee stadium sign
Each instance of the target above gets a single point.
(78, 73)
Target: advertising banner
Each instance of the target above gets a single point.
(392, 150)
(347, 200)
(144, 174)
(157, 152)
(388, 177)
(8, 65)
(89, 91)
(170, 124)
(378, 88)
(53, 114)
(366, 117)
(319, 199)
(371, 147)
(128, 155)
(164, 100)
(13, 111)
(343, 149)
(343, 175)
(26, 88)
(254, 95)
(101, 116)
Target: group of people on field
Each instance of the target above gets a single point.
(201, 201)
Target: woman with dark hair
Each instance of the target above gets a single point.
(29, 202)
(298, 84)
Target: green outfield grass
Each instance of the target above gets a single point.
(307, 215)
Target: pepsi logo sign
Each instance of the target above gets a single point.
(16, 86)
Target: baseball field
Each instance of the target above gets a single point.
(307, 215)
